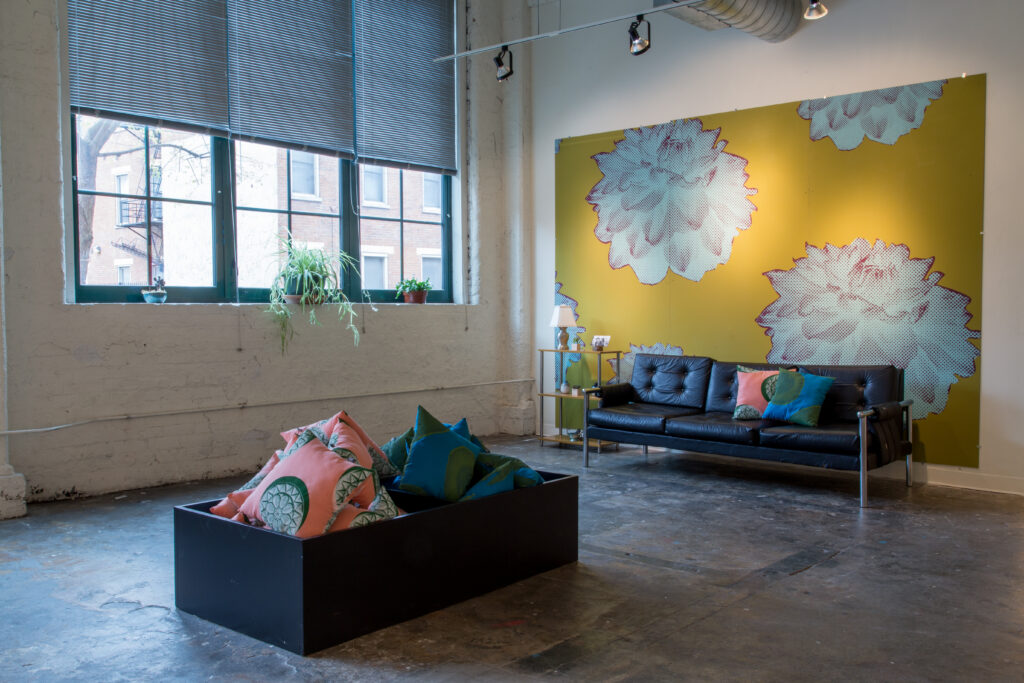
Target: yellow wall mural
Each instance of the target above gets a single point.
(841, 230)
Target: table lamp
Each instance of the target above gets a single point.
(562, 318)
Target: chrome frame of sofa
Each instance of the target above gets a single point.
(862, 417)
(908, 431)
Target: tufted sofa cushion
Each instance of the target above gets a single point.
(855, 388)
(671, 380)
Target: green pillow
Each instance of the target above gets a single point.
(499, 480)
(397, 449)
(798, 398)
(462, 429)
(525, 476)
(440, 462)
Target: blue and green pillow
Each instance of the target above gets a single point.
(798, 397)
(440, 462)
(498, 480)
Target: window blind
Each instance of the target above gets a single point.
(290, 73)
(276, 71)
(163, 61)
(405, 103)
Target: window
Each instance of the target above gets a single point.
(191, 209)
(124, 274)
(212, 216)
(374, 185)
(375, 271)
(431, 193)
(418, 238)
(304, 175)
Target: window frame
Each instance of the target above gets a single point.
(225, 287)
(363, 201)
(302, 196)
(423, 196)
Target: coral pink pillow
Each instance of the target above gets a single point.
(755, 389)
(230, 506)
(328, 431)
(305, 492)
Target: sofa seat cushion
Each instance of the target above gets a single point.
(714, 427)
(638, 417)
(833, 438)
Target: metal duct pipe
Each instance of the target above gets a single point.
(770, 20)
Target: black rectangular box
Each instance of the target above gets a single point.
(308, 594)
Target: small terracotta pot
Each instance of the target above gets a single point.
(419, 297)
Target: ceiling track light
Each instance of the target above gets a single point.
(639, 44)
(815, 10)
(503, 72)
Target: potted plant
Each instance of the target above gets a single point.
(155, 294)
(413, 291)
(309, 278)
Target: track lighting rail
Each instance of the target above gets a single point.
(551, 34)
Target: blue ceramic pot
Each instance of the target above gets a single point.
(154, 297)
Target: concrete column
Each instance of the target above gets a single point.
(12, 484)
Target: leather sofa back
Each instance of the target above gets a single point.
(672, 380)
(855, 387)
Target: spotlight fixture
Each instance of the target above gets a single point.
(503, 72)
(816, 10)
(637, 43)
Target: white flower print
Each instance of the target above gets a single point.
(872, 304)
(670, 197)
(629, 358)
(880, 115)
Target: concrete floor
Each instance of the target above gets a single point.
(691, 568)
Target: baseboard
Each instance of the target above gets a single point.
(959, 477)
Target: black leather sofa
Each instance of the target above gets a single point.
(687, 402)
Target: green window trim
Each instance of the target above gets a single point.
(225, 287)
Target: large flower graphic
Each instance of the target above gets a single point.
(670, 197)
(625, 371)
(567, 358)
(880, 115)
(872, 304)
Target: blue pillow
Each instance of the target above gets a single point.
(798, 398)
(462, 429)
(499, 480)
(440, 462)
(525, 476)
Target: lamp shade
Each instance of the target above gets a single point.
(563, 317)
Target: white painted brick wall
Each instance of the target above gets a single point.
(74, 362)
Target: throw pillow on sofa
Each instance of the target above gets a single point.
(798, 398)
(306, 491)
(754, 390)
(440, 461)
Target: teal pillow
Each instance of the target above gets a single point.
(440, 462)
(525, 476)
(397, 449)
(499, 480)
(798, 398)
(462, 429)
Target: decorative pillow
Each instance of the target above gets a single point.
(754, 389)
(231, 504)
(462, 429)
(381, 464)
(397, 450)
(499, 480)
(525, 476)
(351, 517)
(306, 491)
(440, 461)
(798, 398)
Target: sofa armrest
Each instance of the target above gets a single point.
(616, 394)
(886, 424)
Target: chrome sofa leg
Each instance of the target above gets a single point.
(586, 439)
(645, 450)
(863, 460)
(910, 439)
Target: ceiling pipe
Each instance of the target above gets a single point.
(769, 20)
